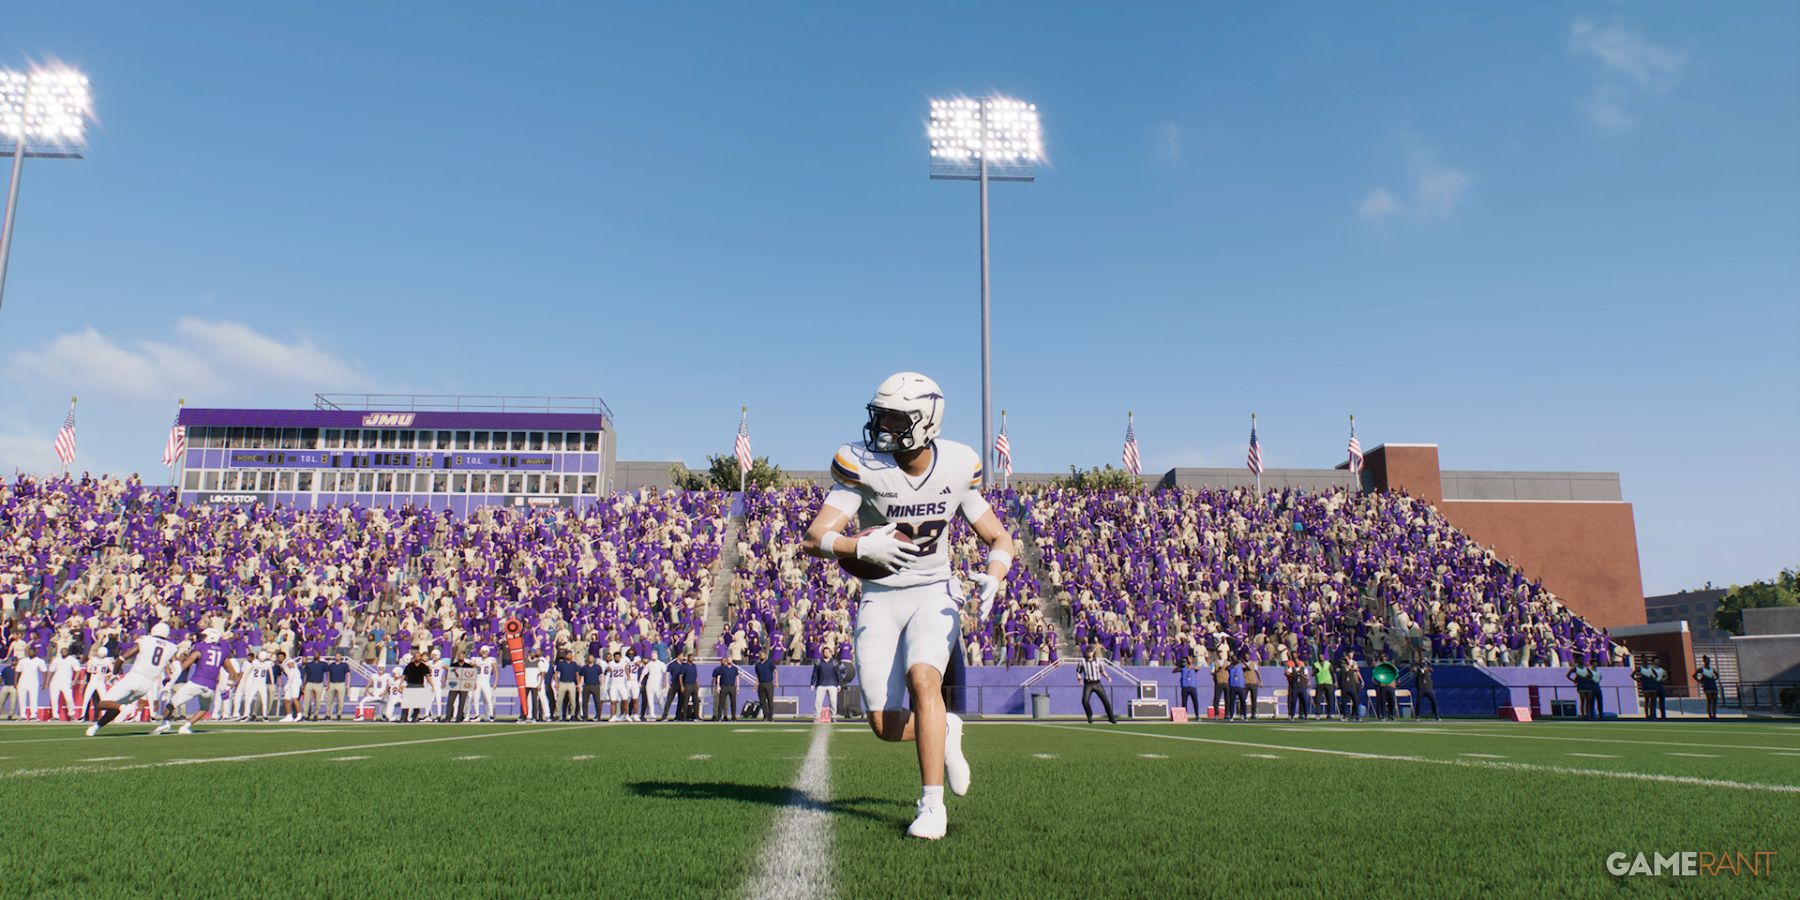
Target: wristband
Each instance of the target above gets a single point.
(1001, 556)
(829, 542)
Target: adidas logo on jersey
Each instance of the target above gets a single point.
(946, 490)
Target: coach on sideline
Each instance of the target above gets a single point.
(825, 684)
(766, 675)
(568, 680)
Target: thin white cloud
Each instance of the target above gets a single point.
(1378, 206)
(207, 361)
(1166, 145)
(1625, 64)
(1436, 190)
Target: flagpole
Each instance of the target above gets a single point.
(1259, 465)
(1347, 466)
(65, 463)
(175, 460)
(1005, 471)
(743, 427)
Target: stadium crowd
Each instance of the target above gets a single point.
(1159, 576)
(299, 597)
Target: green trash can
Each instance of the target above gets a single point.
(1040, 706)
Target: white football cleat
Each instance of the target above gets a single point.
(932, 823)
(956, 765)
(164, 728)
(185, 729)
(93, 729)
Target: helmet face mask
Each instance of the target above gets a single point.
(890, 430)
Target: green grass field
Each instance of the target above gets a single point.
(1446, 809)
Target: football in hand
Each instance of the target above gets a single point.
(865, 569)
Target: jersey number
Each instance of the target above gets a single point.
(156, 656)
(924, 535)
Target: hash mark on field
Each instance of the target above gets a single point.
(345, 758)
(467, 758)
(582, 757)
(700, 756)
(104, 758)
(1697, 755)
(1483, 755)
(1262, 756)
(1777, 753)
(1152, 756)
(1595, 755)
(1044, 755)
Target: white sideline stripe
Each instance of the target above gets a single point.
(1584, 740)
(1698, 755)
(1778, 753)
(104, 758)
(796, 862)
(1483, 755)
(248, 757)
(1595, 755)
(771, 730)
(1470, 763)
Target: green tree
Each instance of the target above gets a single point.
(1104, 478)
(721, 474)
(1782, 590)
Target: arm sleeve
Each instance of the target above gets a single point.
(974, 506)
(844, 500)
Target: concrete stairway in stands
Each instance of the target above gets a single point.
(713, 626)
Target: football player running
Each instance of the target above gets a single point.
(899, 482)
(205, 662)
(150, 655)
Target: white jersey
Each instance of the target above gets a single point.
(485, 667)
(260, 669)
(98, 669)
(153, 657)
(63, 669)
(872, 488)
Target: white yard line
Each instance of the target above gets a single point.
(1483, 755)
(1595, 755)
(1697, 755)
(796, 862)
(1471, 763)
(249, 757)
(1642, 742)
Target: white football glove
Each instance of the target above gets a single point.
(883, 549)
(989, 586)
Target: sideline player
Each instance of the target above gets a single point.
(901, 478)
(150, 655)
(203, 662)
(99, 672)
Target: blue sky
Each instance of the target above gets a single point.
(1555, 237)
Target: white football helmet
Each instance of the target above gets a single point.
(99, 651)
(906, 414)
(212, 634)
(160, 629)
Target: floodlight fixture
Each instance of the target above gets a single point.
(44, 112)
(989, 139)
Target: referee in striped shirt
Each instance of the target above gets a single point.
(1092, 672)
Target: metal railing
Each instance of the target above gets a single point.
(463, 403)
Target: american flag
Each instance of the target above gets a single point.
(1356, 461)
(1132, 463)
(177, 443)
(1255, 457)
(1003, 452)
(65, 439)
(743, 443)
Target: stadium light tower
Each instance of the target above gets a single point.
(991, 139)
(43, 113)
